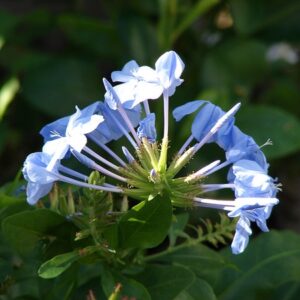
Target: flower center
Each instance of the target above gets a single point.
(146, 179)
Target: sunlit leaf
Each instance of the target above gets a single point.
(7, 94)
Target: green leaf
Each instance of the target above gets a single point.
(57, 265)
(62, 287)
(90, 33)
(204, 262)
(199, 9)
(177, 227)
(138, 37)
(251, 16)
(7, 23)
(128, 287)
(7, 93)
(10, 205)
(25, 229)
(166, 282)
(56, 87)
(269, 261)
(229, 65)
(200, 289)
(146, 224)
(263, 122)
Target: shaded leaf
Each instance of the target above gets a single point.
(177, 227)
(263, 122)
(146, 224)
(251, 16)
(114, 283)
(166, 282)
(57, 265)
(255, 269)
(204, 262)
(56, 87)
(23, 230)
(89, 33)
(200, 289)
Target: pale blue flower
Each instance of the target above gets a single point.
(242, 146)
(109, 129)
(120, 115)
(250, 209)
(250, 180)
(40, 180)
(169, 68)
(207, 114)
(143, 83)
(147, 128)
(58, 128)
(80, 124)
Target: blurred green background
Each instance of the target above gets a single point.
(53, 55)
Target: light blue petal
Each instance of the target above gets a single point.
(34, 169)
(169, 68)
(243, 146)
(40, 181)
(251, 180)
(55, 129)
(147, 128)
(241, 237)
(127, 73)
(187, 109)
(111, 97)
(109, 130)
(36, 191)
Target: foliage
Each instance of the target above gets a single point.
(50, 57)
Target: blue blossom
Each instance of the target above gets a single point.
(250, 180)
(148, 171)
(250, 209)
(40, 180)
(169, 68)
(143, 83)
(207, 114)
(109, 129)
(78, 126)
(58, 128)
(147, 128)
(243, 146)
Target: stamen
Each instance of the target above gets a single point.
(219, 167)
(218, 204)
(202, 172)
(124, 131)
(125, 117)
(267, 143)
(146, 107)
(72, 172)
(186, 144)
(128, 155)
(87, 185)
(93, 165)
(100, 158)
(214, 187)
(108, 150)
(121, 110)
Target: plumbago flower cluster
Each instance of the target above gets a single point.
(143, 171)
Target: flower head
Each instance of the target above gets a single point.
(143, 169)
